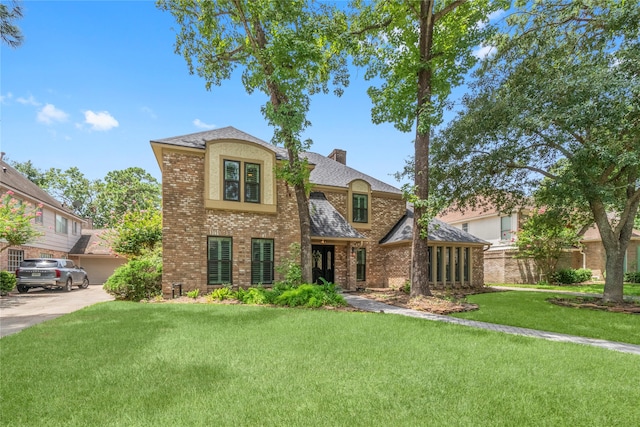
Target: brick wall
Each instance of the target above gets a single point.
(29, 252)
(186, 225)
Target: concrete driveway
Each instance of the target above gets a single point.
(19, 311)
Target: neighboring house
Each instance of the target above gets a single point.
(227, 219)
(61, 229)
(93, 253)
(500, 263)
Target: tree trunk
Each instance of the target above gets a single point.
(614, 280)
(419, 247)
(305, 222)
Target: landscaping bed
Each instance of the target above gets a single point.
(597, 304)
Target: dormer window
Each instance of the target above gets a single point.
(360, 208)
(232, 181)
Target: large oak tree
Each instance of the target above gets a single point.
(556, 110)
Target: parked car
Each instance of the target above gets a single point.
(50, 273)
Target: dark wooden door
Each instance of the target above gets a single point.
(323, 262)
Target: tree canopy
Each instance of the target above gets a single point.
(103, 201)
(556, 110)
(9, 32)
(16, 221)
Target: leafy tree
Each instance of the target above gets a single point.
(129, 190)
(561, 101)
(103, 201)
(419, 51)
(10, 33)
(137, 233)
(287, 49)
(16, 221)
(544, 236)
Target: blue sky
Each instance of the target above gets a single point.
(95, 81)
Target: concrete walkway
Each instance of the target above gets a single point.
(367, 304)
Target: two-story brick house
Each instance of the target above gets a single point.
(227, 219)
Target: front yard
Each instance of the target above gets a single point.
(121, 363)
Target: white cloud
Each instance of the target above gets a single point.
(49, 114)
(101, 121)
(496, 15)
(28, 101)
(5, 98)
(202, 125)
(483, 51)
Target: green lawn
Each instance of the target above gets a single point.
(629, 289)
(132, 364)
(531, 310)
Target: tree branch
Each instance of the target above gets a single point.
(448, 9)
(533, 169)
(371, 27)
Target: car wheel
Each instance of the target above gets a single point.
(23, 289)
(68, 285)
(85, 283)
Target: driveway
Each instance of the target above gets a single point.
(19, 311)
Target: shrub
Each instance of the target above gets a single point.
(137, 279)
(290, 268)
(194, 293)
(7, 282)
(312, 296)
(257, 295)
(631, 277)
(568, 276)
(222, 294)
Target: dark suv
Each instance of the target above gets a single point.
(50, 273)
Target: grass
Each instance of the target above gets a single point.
(130, 364)
(629, 289)
(531, 310)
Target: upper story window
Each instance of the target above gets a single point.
(39, 216)
(233, 184)
(465, 227)
(360, 208)
(232, 180)
(75, 227)
(505, 228)
(61, 225)
(252, 183)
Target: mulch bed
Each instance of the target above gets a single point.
(597, 304)
(439, 303)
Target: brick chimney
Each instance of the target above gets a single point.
(339, 156)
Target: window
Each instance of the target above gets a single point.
(61, 224)
(75, 227)
(456, 264)
(361, 265)
(447, 264)
(360, 208)
(465, 227)
(261, 261)
(43, 255)
(438, 264)
(39, 216)
(505, 228)
(219, 260)
(465, 268)
(252, 183)
(15, 257)
(231, 180)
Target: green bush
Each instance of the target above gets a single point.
(222, 294)
(631, 277)
(257, 295)
(137, 279)
(569, 276)
(7, 282)
(312, 296)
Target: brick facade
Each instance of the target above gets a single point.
(189, 218)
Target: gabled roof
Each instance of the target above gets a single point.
(438, 231)
(91, 243)
(326, 171)
(13, 180)
(332, 173)
(200, 139)
(327, 222)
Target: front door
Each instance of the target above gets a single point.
(323, 262)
